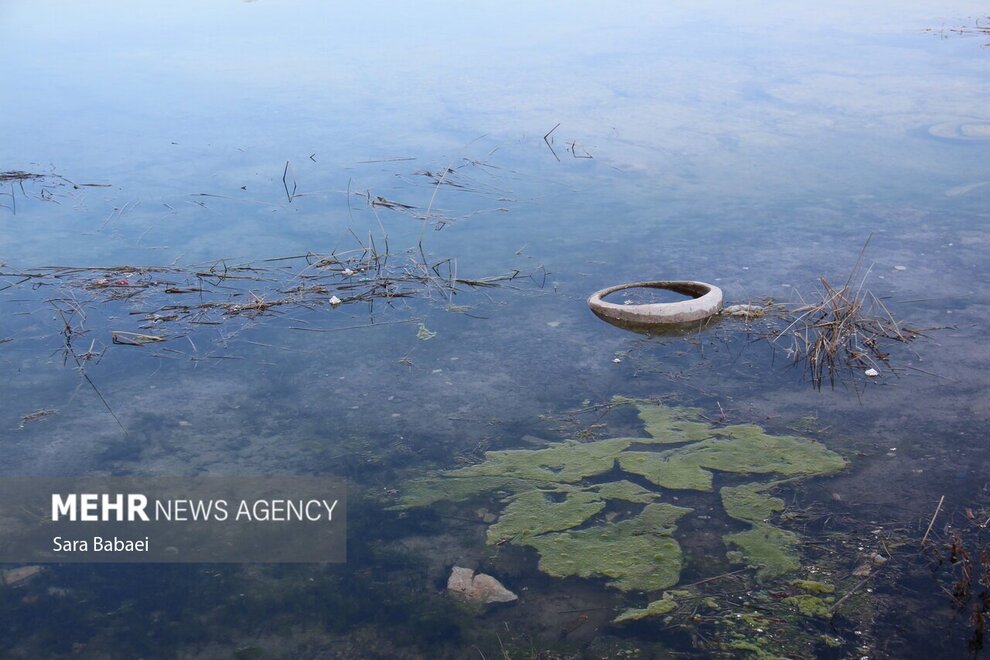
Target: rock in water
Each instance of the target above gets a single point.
(17, 576)
(477, 588)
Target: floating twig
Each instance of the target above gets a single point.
(934, 515)
(134, 338)
(546, 138)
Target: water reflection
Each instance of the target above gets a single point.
(754, 150)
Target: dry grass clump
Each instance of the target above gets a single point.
(842, 327)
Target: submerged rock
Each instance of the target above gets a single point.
(15, 576)
(480, 589)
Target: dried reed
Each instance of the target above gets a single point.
(844, 326)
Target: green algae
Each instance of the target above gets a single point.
(751, 647)
(758, 452)
(665, 605)
(547, 495)
(624, 490)
(639, 553)
(669, 424)
(814, 587)
(534, 512)
(565, 462)
(430, 490)
(750, 503)
(745, 449)
(810, 606)
(772, 550)
(754, 452)
(666, 469)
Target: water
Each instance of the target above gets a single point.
(756, 149)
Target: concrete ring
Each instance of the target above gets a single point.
(706, 301)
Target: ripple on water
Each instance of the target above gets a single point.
(966, 130)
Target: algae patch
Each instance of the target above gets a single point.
(771, 550)
(639, 553)
(660, 607)
(669, 424)
(666, 470)
(533, 512)
(551, 506)
(814, 587)
(430, 490)
(810, 606)
(743, 449)
(625, 490)
(750, 503)
(565, 462)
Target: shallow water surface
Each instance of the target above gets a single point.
(206, 178)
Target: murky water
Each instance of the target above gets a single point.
(570, 147)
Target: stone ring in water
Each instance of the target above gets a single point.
(706, 300)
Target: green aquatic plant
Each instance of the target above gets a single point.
(534, 512)
(743, 449)
(814, 587)
(638, 553)
(668, 424)
(624, 490)
(750, 503)
(553, 496)
(666, 469)
(441, 488)
(771, 550)
(564, 462)
(660, 607)
(810, 606)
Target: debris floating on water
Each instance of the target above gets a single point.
(166, 302)
(745, 311)
(36, 415)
